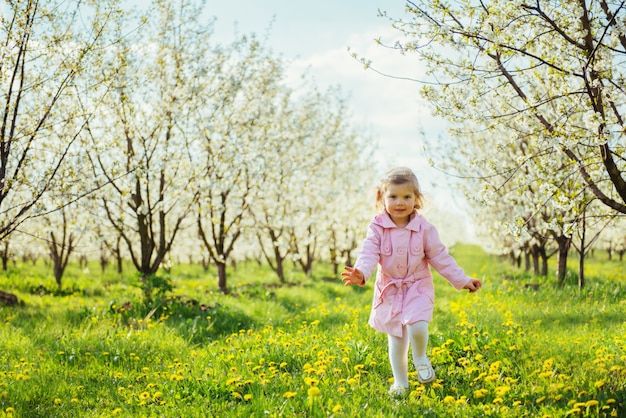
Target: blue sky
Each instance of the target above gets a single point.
(315, 36)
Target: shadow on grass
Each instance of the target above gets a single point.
(563, 320)
(255, 305)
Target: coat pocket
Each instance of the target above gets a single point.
(385, 246)
(416, 244)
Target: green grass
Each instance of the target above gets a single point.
(305, 349)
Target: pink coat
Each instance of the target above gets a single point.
(404, 292)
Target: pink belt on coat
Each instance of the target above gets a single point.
(398, 297)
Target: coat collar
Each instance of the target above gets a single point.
(384, 220)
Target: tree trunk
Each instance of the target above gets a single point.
(544, 264)
(5, 254)
(543, 256)
(581, 259)
(104, 258)
(564, 244)
(221, 277)
(60, 250)
(280, 271)
(535, 255)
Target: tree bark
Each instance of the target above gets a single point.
(221, 277)
(564, 245)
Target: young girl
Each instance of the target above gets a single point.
(403, 244)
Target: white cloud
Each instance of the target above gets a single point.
(393, 109)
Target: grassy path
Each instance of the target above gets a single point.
(305, 350)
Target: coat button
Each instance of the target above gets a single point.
(401, 250)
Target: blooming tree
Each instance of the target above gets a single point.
(49, 52)
(140, 146)
(548, 69)
(238, 108)
(533, 93)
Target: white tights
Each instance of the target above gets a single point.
(417, 333)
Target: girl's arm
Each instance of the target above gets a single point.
(444, 263)
(366, 260)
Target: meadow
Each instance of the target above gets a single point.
(521, 347)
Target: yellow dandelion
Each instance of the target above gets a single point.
(498, 400)
(57, 401)
(600, 383)
(289, 395)
(9, 410)
(592, 403)
(144, 395)
(337, 408)
(540, 400)
(116, 411)
(502, 390)
(480, 393)
(247, 397)
(448, 399)
(314, 391)
(73, 400)
(157, 395)
(236, 395)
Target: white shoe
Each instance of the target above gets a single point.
(397, 391)
(425, 372)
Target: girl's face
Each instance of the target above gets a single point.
(399, 202)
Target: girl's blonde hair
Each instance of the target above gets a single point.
(398, 175)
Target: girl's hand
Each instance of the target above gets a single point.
(473, 286)
(352, 276)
